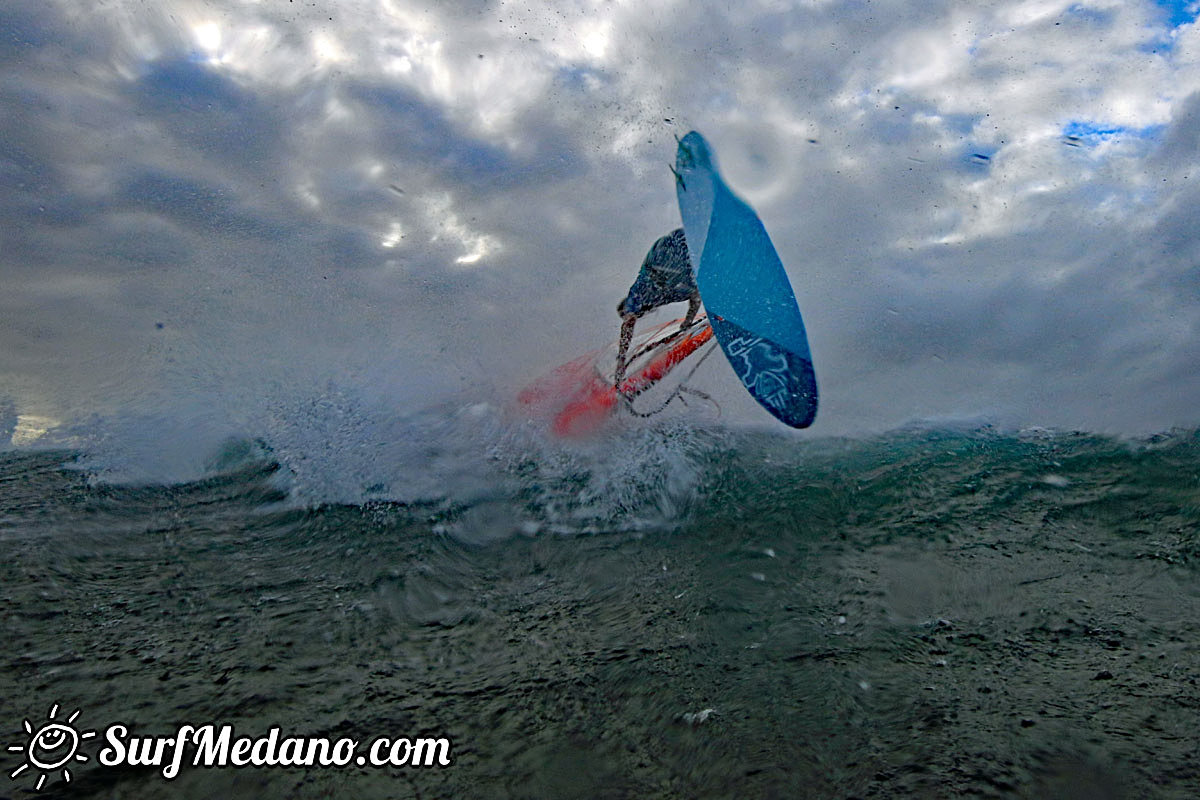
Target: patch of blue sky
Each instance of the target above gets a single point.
(190, 83)
(1089, 133)
(581, 78)
(1090, 14)
(901, 118)
(962, 124)
(1163, 33)
(1179, 12)
(979, 156)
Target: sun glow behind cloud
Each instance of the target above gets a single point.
(208, 36)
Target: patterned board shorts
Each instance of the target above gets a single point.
(665, 277)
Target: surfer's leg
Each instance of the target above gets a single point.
(628, 321)
(693, 307)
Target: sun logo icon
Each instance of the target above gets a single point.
(51, 747)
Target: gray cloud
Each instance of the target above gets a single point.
(986, 209)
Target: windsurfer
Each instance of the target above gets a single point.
(666, 277)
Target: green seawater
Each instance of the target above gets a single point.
(928, 613)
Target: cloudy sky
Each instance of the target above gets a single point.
(988, 209)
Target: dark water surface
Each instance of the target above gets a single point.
(928, 613)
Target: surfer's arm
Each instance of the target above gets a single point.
(693, 308)
(627, 323)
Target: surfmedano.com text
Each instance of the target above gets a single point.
(219, 747)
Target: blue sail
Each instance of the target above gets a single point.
(745, 289)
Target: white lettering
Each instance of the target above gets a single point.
(343, 751)
(324, 758)
(394, 758)
(209, 751)
(219, 747)
(111, 756)
(172, 769)
(409, 752)
(263, 752)
(240, 747)
(376, 746)
(147, 752)
(443, 745)
(291, 753)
